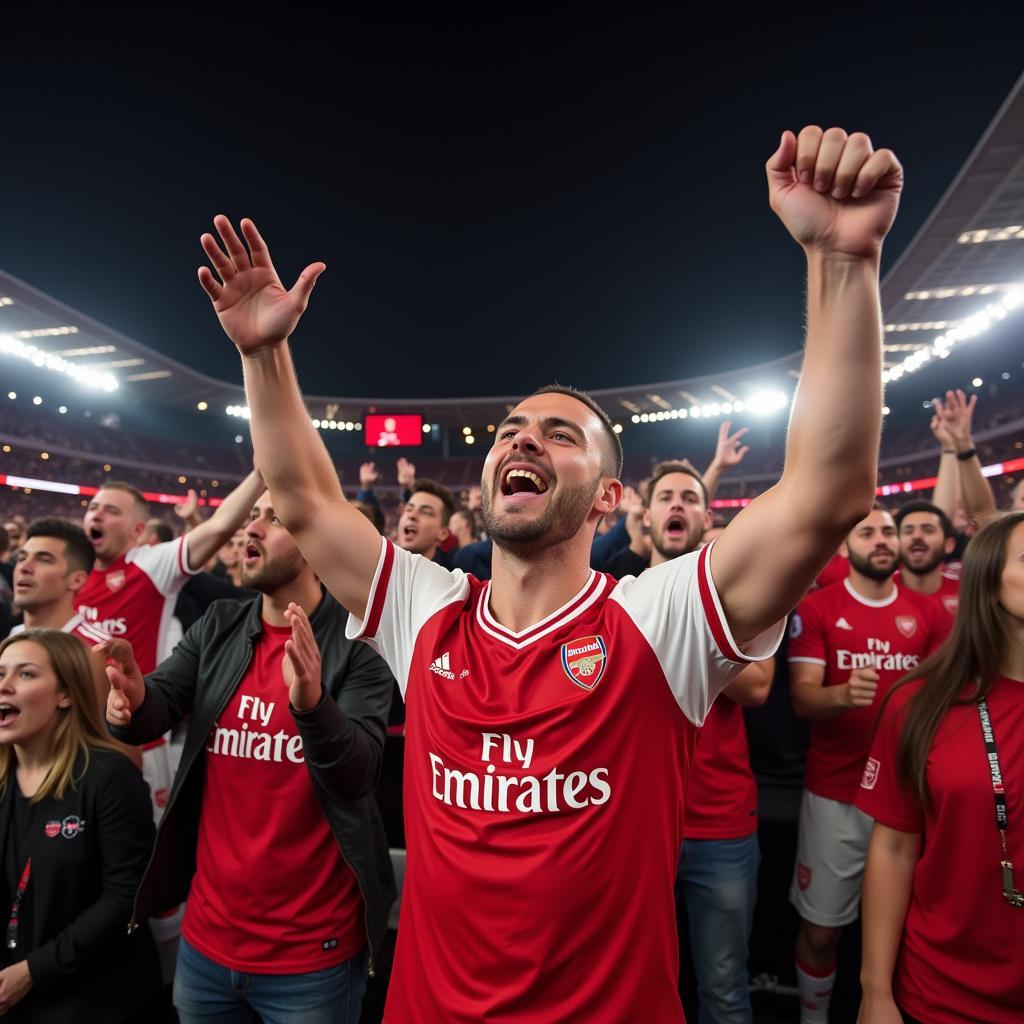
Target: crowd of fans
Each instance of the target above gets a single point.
(160, 593)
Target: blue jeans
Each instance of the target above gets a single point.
(206, 993)
(717, 880)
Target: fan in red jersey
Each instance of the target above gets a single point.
(551, 712)
(131, 590)
(848, 644)
(943, 903)
(926, 538)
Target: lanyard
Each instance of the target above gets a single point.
(12, 924)
(1012, 895)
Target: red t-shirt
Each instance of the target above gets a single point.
(836, 571)
(721, 800)
(545, 772)
(961, 956)
(947, 597)
(134, 598)
(837, 628)
(272, 893)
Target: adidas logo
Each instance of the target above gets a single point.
(841, 623)
(442, 666)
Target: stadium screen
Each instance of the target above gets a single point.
(392, 431)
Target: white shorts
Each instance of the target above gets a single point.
(830, 856)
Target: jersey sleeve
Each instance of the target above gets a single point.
(882, 795)
(165, 564)
(407, 590)
(677, 609)
(807, 640)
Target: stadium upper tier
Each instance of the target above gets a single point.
(953, 281)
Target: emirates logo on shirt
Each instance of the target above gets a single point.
(115, 580)
(584, 660)
(907, 625)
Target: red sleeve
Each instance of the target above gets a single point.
(881, 794)
(807, 641)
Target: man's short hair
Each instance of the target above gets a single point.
(674, 466)
(613, 464)
(161, 530)
(78, 550)
(434, 488)
(924, 506)
(136, 495)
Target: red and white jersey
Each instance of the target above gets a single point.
(962, 948)
(134, 598)
(77, 626)
(721, 798)
(545, 772)
(842, 631)
(947, 597)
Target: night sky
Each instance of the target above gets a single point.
(499, 201)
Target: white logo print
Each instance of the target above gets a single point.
(841, 623)
(442, 666)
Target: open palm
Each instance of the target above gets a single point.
(833, 191)
(253, 306)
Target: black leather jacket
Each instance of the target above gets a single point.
(342, 740)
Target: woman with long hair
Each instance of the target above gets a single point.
(77, 827)
(943, 910)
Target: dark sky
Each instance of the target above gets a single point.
(499, 201)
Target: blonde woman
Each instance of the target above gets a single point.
(77, 830)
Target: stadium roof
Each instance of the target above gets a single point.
(968, 253)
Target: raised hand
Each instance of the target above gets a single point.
(728, 453)
(253, 306)
(834, 192)
(473, 498)
(188, 508)
(632, 504)
(127, 687)
(956, 416)
(406, 473)
(939, 431)
(301, 663)
(368, 476)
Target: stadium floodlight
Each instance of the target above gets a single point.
(12, 346)
(967, 329)
(764, 403)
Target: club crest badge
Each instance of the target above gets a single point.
(584, 660)
(870, 776)
(907, 625)
(951, 602)
(803, 877)
(115, 580)
(71, 826)
(52, 829)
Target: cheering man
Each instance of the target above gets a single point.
(551, 713)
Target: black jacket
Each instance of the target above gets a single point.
(88, 852)
(342, 740)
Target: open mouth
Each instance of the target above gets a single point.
(918, 549)
(251, 554)
(675, 527)
(409, 533)
(8, 713)
(518, 480)
(95, 533)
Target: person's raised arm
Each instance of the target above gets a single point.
(957, 415)
(888, 877)
(751, 687)
(837, 197)
(947, 481)
(259, 315)
(206, 539)
(728, 455)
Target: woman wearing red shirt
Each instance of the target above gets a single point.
(943, 911)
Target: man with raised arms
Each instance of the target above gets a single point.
(551, 713)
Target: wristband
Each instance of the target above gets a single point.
(967, 455)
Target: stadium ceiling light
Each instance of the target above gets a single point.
(12, 395)
(764, 403)
(43, 332)
(13, 346)
(37, 400)
(202, 406)
(959, 291)
(921, 325)
(63, 410)
(968, 328)
(240, 411)
(6, 300)
(617, 428)
(1006, 234)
